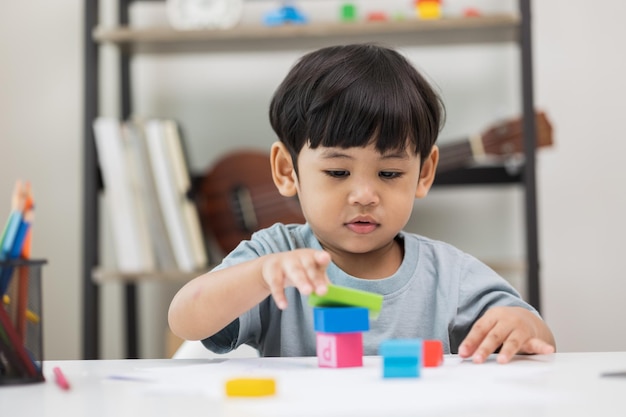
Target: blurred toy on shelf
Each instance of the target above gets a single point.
(428, 9)
(471, 12)
(286, 14)
(203, 14)
(377, 16)
(347, 12)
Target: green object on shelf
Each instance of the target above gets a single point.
(348, 12)
(338, 296)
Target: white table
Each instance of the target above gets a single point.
(563, 384)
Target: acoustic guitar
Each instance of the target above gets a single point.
(237, 196)
(497, 143)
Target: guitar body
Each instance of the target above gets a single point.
(237, 197)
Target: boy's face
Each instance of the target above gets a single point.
(357, 199)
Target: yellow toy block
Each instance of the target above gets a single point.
(250, 387)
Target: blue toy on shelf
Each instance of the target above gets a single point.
(285, 15)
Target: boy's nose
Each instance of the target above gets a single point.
(364, 194)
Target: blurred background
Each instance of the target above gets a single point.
(221, 100)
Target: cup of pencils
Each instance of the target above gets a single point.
(21, 335)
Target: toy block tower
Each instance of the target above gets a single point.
(339, 335)
(339, 318)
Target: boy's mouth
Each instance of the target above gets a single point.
(362, 226)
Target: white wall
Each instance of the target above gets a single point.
(579, 71)
(40, 140)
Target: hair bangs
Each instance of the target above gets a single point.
(375, 107)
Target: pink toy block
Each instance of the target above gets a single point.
(339, 350)
(432, 353)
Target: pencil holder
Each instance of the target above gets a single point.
(21, 331)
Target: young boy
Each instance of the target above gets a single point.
(357, 126)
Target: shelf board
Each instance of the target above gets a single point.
(102, 276)
(488, 28)
(480, 175)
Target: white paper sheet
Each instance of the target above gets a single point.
(304, 389)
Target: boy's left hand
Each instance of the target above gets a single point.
(515, 329)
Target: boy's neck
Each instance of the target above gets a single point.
(372, 265)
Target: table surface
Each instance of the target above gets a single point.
(562, 384)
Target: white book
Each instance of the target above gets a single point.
(183, 185)
(163, 173)
(133, 250)
(146, 194)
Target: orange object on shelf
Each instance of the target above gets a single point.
(428, 9)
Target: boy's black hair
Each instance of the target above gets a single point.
(350, 95)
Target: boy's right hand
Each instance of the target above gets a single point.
(304, 269)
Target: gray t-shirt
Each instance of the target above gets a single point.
(438, 292)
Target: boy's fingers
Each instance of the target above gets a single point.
(322, 258)
(475, 337)
(306, 272)
(316, 270)
(298, 276)
(491, 342)
(511, 346)
(278, 293)
(312, 271)
(538, 346)
(273, 276)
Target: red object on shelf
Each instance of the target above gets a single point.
(471, 12)
(377, 17)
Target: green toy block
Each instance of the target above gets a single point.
(338, 296)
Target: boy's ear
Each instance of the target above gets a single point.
(283, 172)
(427, 173)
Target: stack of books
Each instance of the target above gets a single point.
(155, 226)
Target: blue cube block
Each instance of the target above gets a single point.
(403, 348)
(341, 319)
(394, 368)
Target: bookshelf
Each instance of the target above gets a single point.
(512, 28)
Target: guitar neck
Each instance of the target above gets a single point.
(455, 155)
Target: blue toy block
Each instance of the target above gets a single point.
(341, 319)
(401, 368)
(402, 358)
(401, 348)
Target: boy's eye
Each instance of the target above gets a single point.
(388, 175)
(337, 173)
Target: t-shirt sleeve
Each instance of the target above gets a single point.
(480, 288)
(225, 340)
(248, 327)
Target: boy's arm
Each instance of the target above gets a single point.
(512, 329)
(208, 303)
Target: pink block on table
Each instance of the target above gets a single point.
(339, 350)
